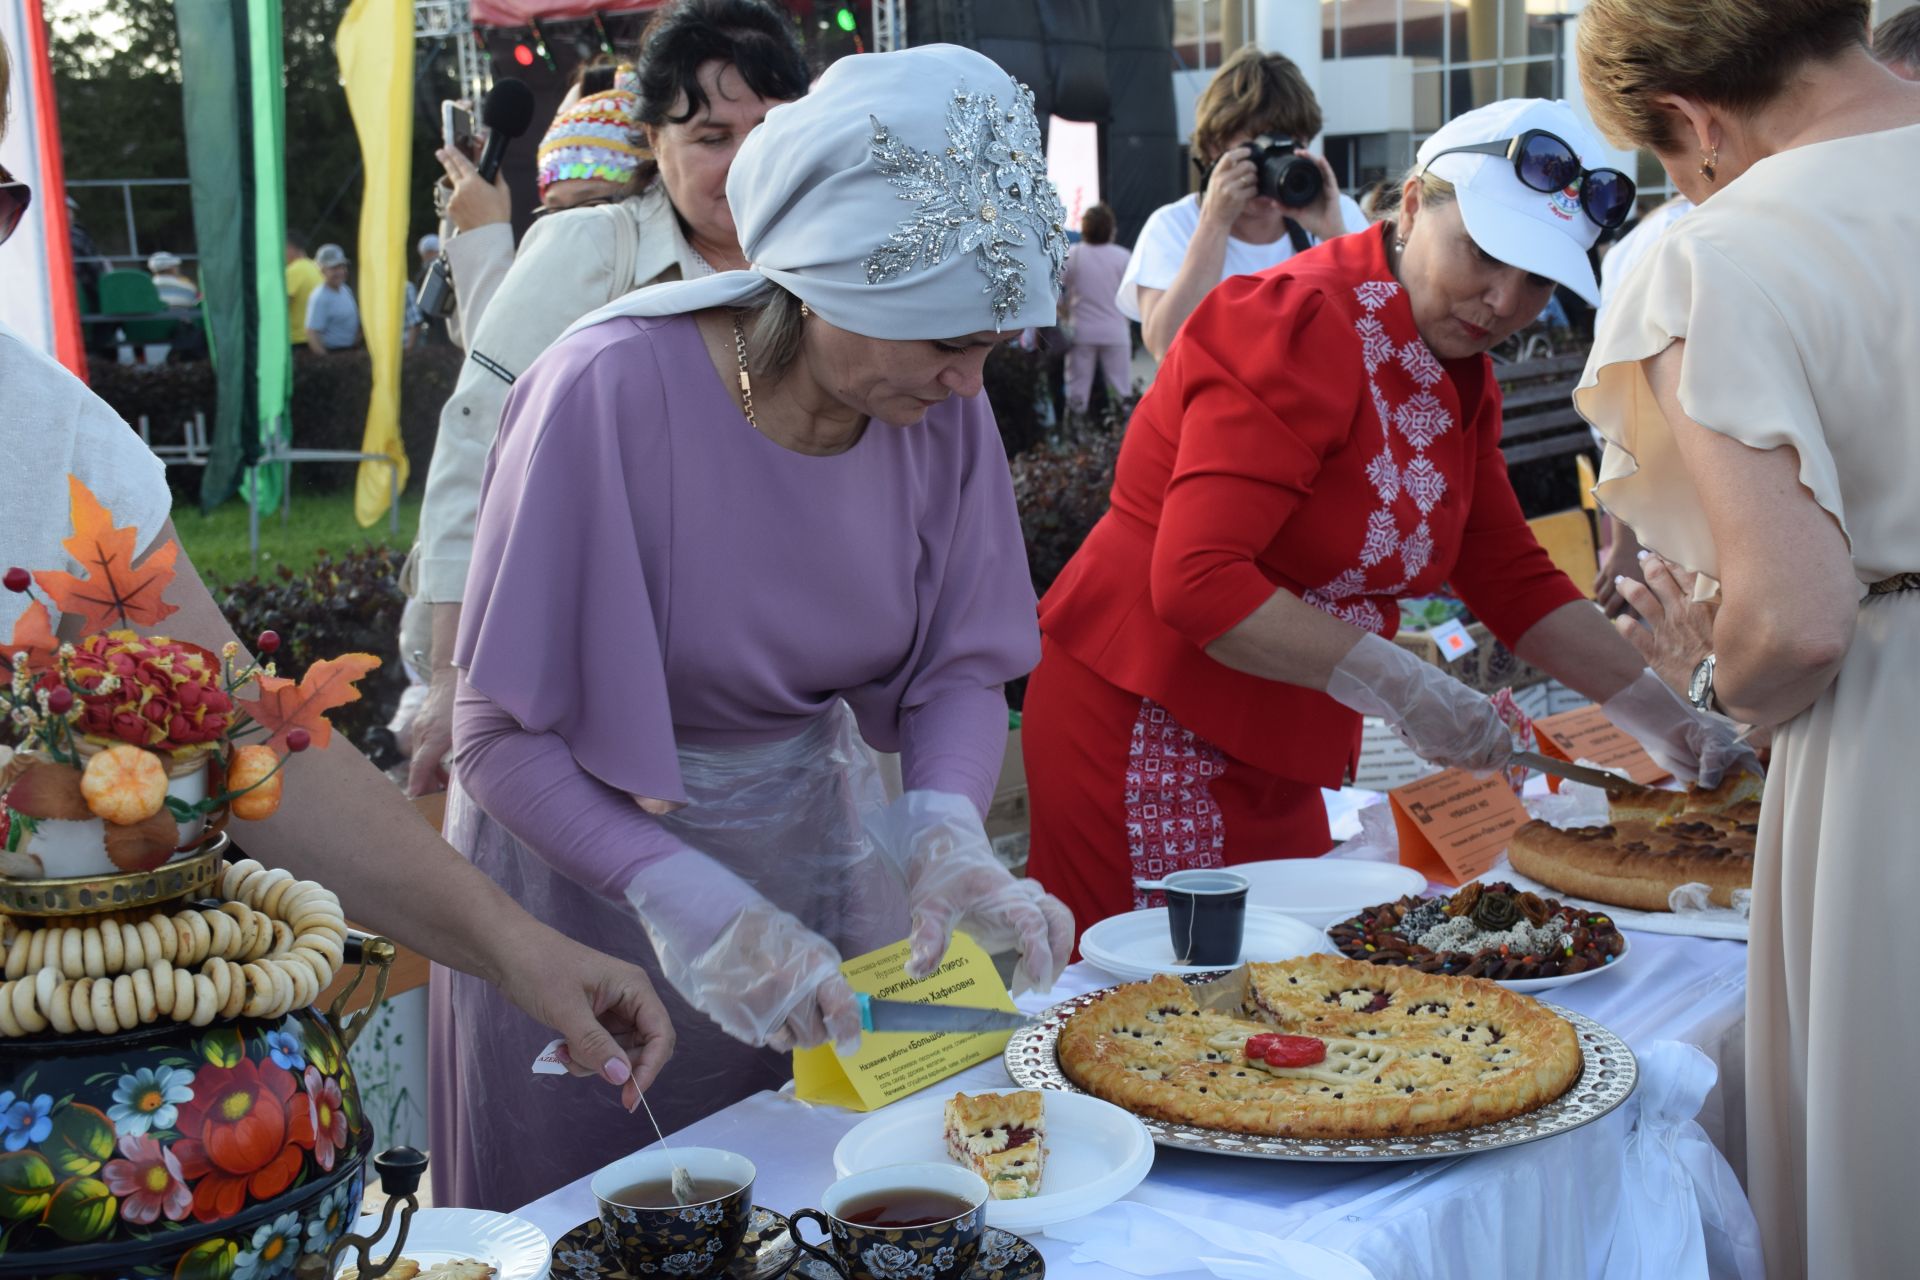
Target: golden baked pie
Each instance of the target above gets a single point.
(1324, 1047)
(1737, 797)
(1001, 1137)
(1639, 864)
(1654, 844)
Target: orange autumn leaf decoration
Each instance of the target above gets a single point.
(113, 593)
(33, 636)
(284, 706)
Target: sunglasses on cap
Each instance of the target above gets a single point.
(1546, 163)
(14, 199)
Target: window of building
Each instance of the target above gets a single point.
(1205, 32)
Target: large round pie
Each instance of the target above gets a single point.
(1405, 1053)
(1653, 845)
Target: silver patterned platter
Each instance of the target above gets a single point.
(1608, 1076)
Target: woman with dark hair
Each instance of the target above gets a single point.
(1755, 383)
(709, 72)
(1102, 342)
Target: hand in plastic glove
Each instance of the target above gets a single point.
(764, 977)
(1440, 718)
(1694, 747)
(955, 882)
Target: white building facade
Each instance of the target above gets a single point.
(1390, 72)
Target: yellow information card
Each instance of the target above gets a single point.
(891, 1065)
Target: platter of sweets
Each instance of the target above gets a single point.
(1496, 931)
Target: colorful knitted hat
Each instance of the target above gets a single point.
(594, 138)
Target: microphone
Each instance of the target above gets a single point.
(507, 114)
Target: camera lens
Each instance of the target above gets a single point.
(1296, 180)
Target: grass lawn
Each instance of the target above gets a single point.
(317, 520)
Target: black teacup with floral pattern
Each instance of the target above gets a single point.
(935, 1251)
(687, 1242)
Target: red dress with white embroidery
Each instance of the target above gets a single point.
(1300, 436)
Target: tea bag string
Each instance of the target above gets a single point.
(680, 1179)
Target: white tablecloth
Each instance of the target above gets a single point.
(1572, 1206)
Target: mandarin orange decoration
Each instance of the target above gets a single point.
(253, 779)
(124, 784)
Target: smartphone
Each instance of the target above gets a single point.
(457, 130)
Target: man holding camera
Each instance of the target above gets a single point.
(1263, 197)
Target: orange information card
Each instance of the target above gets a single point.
(1588, 735)
(1454, 826)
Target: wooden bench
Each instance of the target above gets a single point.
(1538, 419)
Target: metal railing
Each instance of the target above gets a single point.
(133, 255)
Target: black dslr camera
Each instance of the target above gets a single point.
(1284, 173)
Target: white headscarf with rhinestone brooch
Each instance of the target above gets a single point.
(905, 197)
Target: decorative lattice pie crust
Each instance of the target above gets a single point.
(1407, 1053)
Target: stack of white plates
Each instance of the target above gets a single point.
(1135, 946)
(1324, 891)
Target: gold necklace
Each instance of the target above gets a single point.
(746, 379)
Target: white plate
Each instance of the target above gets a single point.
(513, 1247)
(1324, 891)
(1096, 1153)
(1530, 985)
(1136, 946)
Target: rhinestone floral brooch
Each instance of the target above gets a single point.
(984, 194)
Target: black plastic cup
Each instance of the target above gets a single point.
(1206, 916)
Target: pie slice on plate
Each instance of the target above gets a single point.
(1001, 1137)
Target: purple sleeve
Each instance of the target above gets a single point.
(955, 744)
(978, 625)
(558, 581)
(530, 784)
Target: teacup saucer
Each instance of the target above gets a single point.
(1003, 1256)
(581, 1254)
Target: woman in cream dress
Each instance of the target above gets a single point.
(1758, 382)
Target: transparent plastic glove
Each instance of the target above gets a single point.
(1441, 719)
(1695, 746)
(764, 977)
(955, 882)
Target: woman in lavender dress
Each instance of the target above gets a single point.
(727, 521)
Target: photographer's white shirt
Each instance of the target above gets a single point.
(1162, 246)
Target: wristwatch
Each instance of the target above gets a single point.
(1700, 688)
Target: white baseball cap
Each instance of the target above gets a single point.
(1546, 233)
(330, 255)
(163, 261)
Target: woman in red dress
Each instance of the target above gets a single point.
(1323, 440)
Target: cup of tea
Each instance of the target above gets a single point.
(649, 1232)
(1206, 916)
(921, 1220)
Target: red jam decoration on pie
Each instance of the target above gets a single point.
(1286, 1051)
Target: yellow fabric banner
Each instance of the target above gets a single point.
(375, 46)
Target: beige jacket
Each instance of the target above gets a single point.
(568, 264)
(478, 260)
